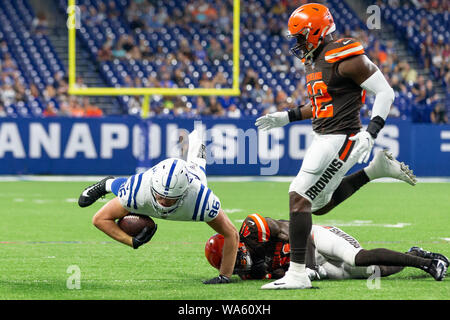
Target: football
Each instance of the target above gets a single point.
(133, 223)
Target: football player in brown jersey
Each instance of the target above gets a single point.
(338, 74)
(264, 253)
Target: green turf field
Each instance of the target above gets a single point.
(43, 232)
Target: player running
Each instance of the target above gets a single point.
(264, 253)
(337, 75)
(173, 189)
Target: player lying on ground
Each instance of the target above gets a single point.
(338, 73)
(174, 189)
(264, 253)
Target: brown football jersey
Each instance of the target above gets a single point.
(265, 246)
(336, 100)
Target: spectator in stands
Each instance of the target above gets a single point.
(269, 99)
(80, 83)
(3, 113)
(203, 12)
(378, 53)
(251, 78)
(445, 72)
(227, 101)
(224, 20)
(397, 85)
(257, 93)
(76, 110)
(166, 78)
(134, 53)
(233, 112)
(40, 24)
(105, 53)
(439, 115)
(430, 94)
(419, 90)
(9, 67)
(200, 105)
(408, 74)
(281, 99)
(118, 52)
(93, 19)
(60, 84)
(299, 96)
(113, 12)
(215, 108)
(7, 94)
(19, 88)
(90, 110)
(215, 50)
(199, 51)
(64, 106)
(206, 81)
(33, 92)
(50, 110)
(219, 80)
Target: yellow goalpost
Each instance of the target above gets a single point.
(147, 92)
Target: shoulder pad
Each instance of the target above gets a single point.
(342, 49)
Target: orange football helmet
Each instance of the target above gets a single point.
(213, 253)
(309, 24)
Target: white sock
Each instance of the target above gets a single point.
(368, 170)
(297, 267)
(108, 185)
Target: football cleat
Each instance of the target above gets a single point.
(428, 254)
(384, 165)
(93, 193)
(437, 269)
(291, 280)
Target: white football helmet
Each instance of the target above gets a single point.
(169, 180)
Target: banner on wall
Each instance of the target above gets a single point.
(122, 145)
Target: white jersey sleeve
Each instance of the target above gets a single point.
(206, 205)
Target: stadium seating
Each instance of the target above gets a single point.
(32, 53)
(38, 62)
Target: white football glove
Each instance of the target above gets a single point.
(364, 145)
(272, 120)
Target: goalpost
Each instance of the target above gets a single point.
(148, 92)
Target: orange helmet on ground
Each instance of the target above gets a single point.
(213, 253)
(213, 250)
(309, 24)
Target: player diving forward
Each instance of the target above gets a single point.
(264, 253)
(337, 75)
(173, 189)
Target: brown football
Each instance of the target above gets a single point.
(133, 223)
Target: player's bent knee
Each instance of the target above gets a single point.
(96, 221)
(298, 203)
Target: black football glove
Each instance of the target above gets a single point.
(218, 280)
(144, 237)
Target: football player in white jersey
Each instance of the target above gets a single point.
(173, 189)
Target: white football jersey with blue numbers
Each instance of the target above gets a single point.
(198, 204)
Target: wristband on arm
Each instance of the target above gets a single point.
(375, 125)
(295, 114)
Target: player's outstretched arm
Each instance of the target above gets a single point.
(282, 118)
(367, 75)
(223, 225)
(105, 219)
